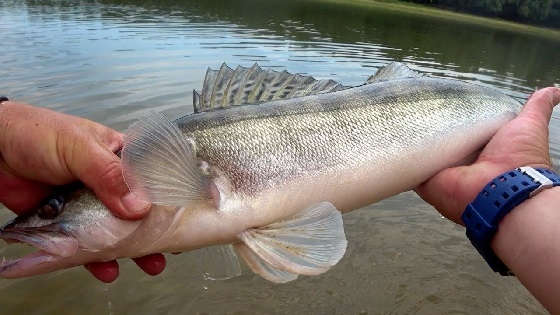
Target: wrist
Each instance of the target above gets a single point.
(10, 118)
(517, 231)
(3, 127)
(477, 176)
(4, 107)
(527, 242)
(496, 200)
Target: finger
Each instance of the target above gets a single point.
(100, 169)
(540, 105)
(104, 271)
(151, 264)
(19, 194)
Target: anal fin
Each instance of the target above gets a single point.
(261, 267)
(309, 243)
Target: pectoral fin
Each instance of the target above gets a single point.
(160, 165)
(309, 243)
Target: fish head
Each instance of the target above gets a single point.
(67, 229)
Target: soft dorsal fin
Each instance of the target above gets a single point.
(393, 71)
(226, 87)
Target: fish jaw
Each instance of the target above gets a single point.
(66, 244)
(65, 241)
(54, 243)
(41, 262)
(53, 249)
(32, 264)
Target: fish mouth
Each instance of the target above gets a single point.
(51, 247)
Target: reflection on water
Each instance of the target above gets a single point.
(111, 61)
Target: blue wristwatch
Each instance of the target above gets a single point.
(498, 198)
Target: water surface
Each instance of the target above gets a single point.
(111, 61)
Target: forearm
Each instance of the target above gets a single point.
(528, 241)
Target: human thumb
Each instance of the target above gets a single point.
(540, 105)
(94, 164)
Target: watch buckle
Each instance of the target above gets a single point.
(537, 177)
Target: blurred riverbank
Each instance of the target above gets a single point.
(545, 13)
(422, 9)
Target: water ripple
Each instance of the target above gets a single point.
(113, 61)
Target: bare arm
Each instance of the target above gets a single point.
(528, 242)
(528, 238)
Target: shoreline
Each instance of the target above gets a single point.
(419, 9)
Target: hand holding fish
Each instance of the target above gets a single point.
(41, 149)
(523, 141)
(527, 238)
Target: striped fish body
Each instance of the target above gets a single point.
(351, 147)
(265, 165)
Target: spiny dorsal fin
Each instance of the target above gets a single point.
(393, 71)
(226, 87)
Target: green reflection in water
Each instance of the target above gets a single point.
(429, 42)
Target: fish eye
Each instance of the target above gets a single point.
(51, 208)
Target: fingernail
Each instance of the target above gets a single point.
(134, 204)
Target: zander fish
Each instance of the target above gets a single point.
(265, 166)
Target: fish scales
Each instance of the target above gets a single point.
(271, 144)
(268, 181)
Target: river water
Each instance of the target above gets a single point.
(112, 61)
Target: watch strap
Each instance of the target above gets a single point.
(498, 198)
